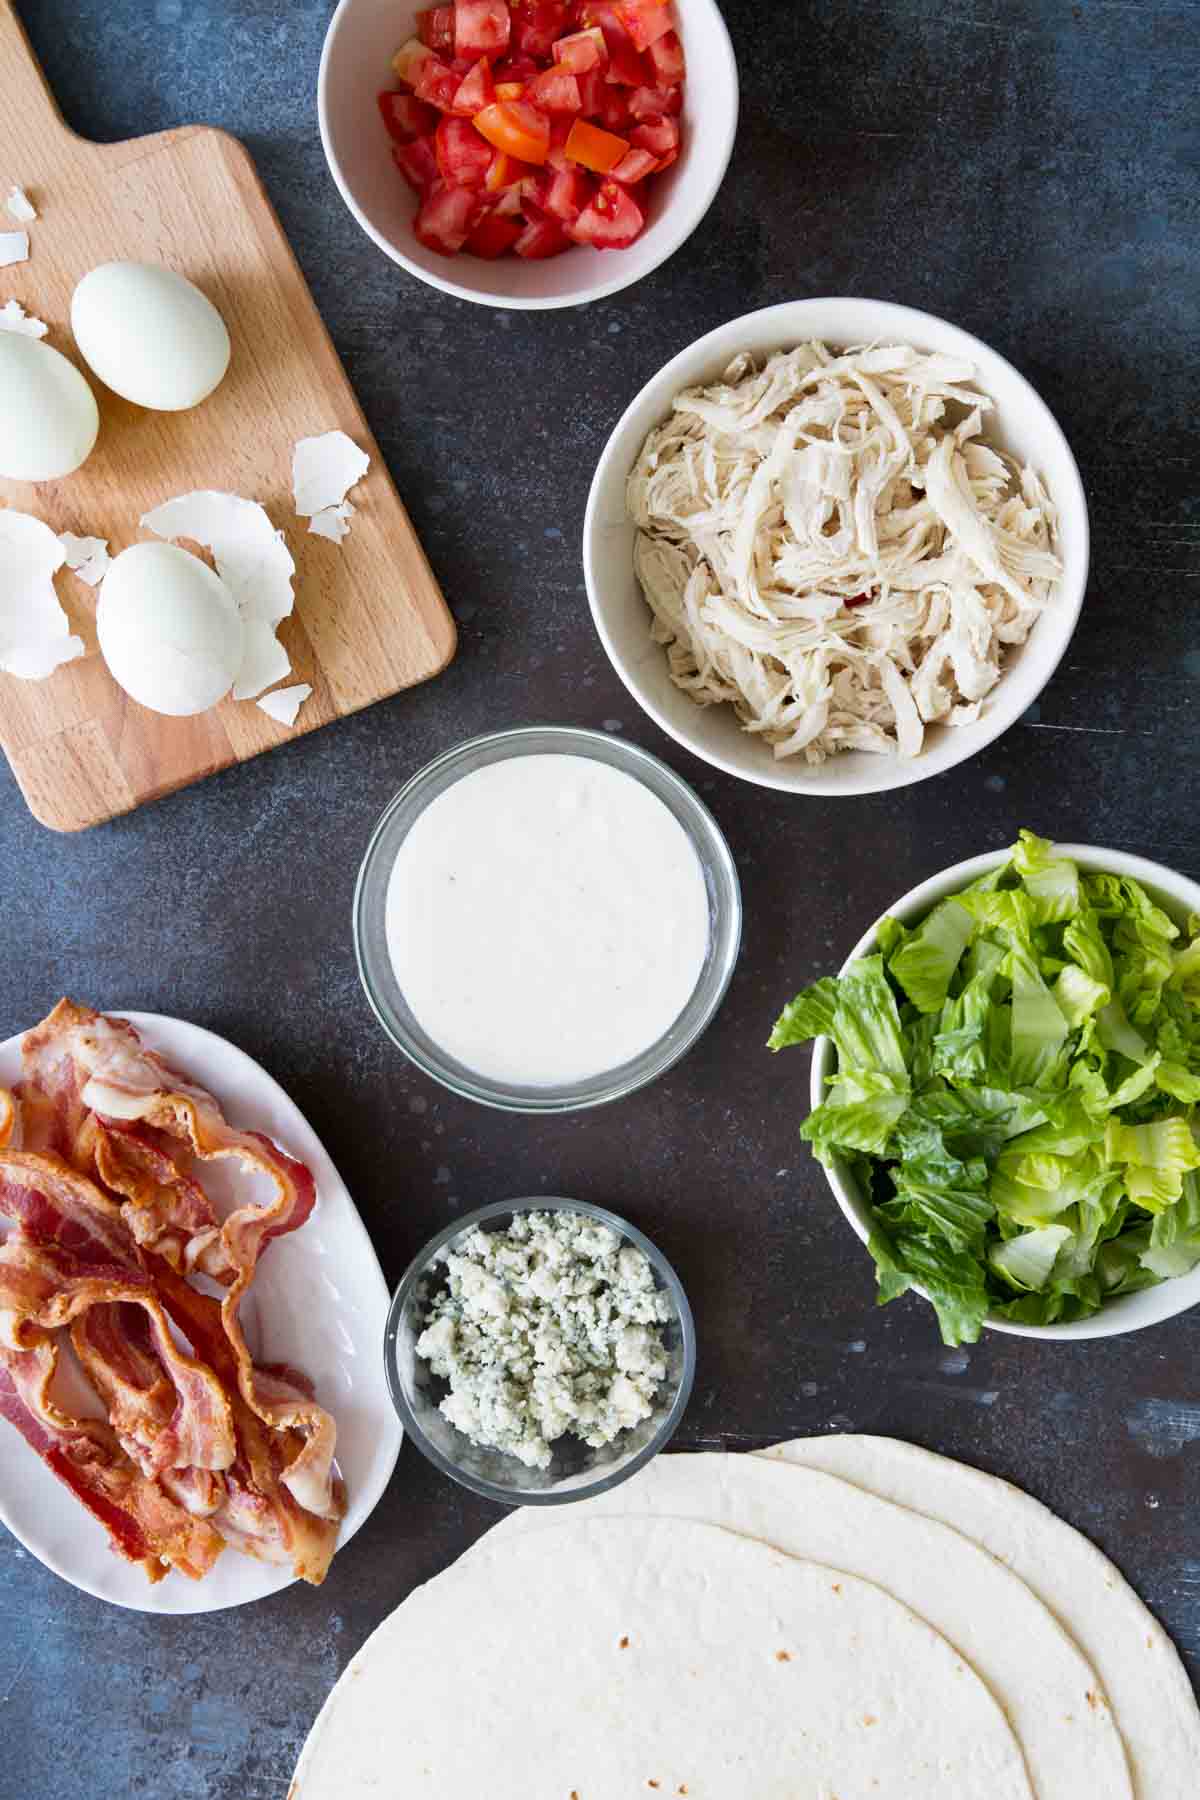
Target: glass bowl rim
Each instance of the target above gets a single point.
(666, 1275)
(710, 845)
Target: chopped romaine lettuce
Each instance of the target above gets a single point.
(1018, 1090)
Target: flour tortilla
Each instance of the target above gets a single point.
(1050, 1693)
(612, 1657)
(1146, 1683)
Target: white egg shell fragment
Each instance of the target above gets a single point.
(150, 335)
(332, 522)
(13, 317)
(169, 629)
(255, 564)
(87, 556)
(14, 248)
(20, 207)
(283, 704)
(35, 635)
(324, 469)
(49, 421)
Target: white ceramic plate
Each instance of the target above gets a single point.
(319, 1301)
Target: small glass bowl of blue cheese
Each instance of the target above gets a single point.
(540, 1351)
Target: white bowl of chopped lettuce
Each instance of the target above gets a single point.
(1006, 1092)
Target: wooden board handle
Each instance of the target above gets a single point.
(25, 89)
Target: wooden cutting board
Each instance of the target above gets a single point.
(369, 618)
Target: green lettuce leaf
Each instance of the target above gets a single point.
(925, 961)
(809, 1015)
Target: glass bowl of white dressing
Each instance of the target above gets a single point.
(546, 919)
(576, 1470)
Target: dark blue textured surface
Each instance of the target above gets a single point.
(1027, 168)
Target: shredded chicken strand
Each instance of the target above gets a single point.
(827, 544)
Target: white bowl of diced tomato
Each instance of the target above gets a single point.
(528, 153)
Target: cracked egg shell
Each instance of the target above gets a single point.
(169, 629)
(150, 335)
(48, 421)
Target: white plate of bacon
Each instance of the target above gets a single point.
(191, 1320)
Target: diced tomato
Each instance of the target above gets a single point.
(614, 113)
(593, 92)
(645, 20)
(635, 166)
(517, 128)
(481, 27)
(560, 131)
(564, 194)
(511, 203)
(406, 117)
(651, 103)
(554, 91)
(624, 64)
(494, 236)
(463, 157)
(516, 68)
(536, 24)
(505, 172)
(476, 90)
(625, 67)
(612, 221)
(527, 125)
(666, 57)
(582, 51)
(659, 136)
(437, 83)
(417, 163)
(446, 217)
(595, 149)
(435, 27)
(542, 237)
(410, 59)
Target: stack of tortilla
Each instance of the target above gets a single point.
(840, 1618)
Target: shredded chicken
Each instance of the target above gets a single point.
(827, 544)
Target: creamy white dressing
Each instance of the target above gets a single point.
(547, 919)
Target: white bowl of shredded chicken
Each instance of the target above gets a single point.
(836, 546)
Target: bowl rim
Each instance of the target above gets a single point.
(707, 840)
(884, 774)
(509, 1209)
(1110, 1320)
(691, 217)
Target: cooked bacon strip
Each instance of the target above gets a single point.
(53, 1086)
(116, 1354)
(54, 1204)
(260, 1517)
(257, 1514)
(164, 1208)
(8, 1119)
(43, 1287)
(199, 1491)
(120, 1080)
(143, 1523)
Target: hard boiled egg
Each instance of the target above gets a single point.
(150, 335)
(169, 629)
(48, 417)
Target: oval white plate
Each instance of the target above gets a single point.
(319, 1301)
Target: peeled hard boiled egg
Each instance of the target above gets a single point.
(48, 417)
(169, 629)
(149, 335)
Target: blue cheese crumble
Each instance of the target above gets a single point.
(551, 1326)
